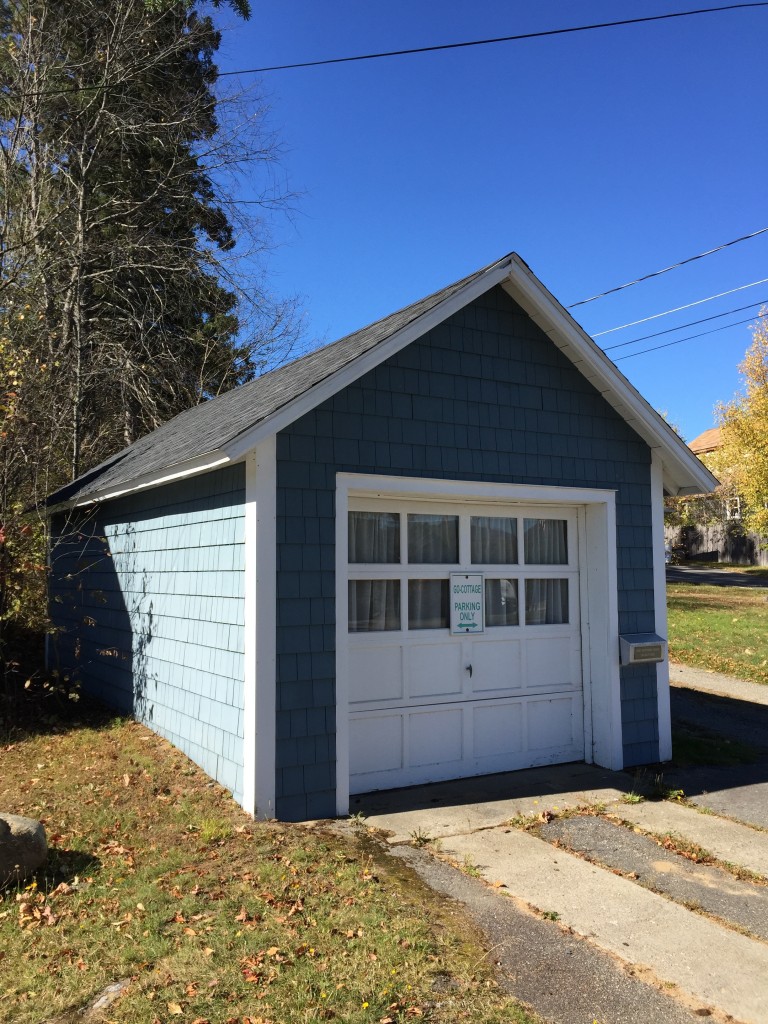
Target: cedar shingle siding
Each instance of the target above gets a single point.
(485, 396)
(148, 594)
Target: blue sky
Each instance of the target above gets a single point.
(598, 157)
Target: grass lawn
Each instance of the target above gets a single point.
(761, 571)
(156, 876)
(724, 629)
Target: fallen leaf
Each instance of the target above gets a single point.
(175, 1009)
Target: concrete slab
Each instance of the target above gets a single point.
(466, 805)
(710, 963)
(709, 890)
(726, 840)
(714, 682)
(563, 978)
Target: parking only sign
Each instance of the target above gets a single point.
(467, 605)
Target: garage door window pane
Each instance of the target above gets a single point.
(374, 605)
(427, 604)
(433, 539)
(494, 540)
(546, 541)
(546, 602)
(501, 603)
(374, 537)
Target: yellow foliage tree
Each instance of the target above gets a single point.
(744, 433)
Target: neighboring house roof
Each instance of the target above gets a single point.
(225, 428)
(709, 441)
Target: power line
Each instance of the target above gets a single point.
(681, 327)
(666, 270)
(679, 341)
(519, 37)
(688, 305)
(489, 42)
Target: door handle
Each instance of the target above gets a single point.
(469, 669)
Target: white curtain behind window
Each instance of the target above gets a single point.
(546, 541)
(433, 539)
(501, 603)
(494, 540)
(546, 602)
(427, 604)
(374, 605)
(374, 537)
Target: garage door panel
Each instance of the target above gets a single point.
(552, 724)
(550, 663)
(435, 737)
(376, 743)
(376, 673)
(496, 665)
(433, 670)
(497, 729)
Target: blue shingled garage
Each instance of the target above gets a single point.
(411, 555)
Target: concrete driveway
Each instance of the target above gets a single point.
(576, 881)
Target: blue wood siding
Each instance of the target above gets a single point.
(148, 594)
(485, 396)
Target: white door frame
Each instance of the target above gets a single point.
(598, 593)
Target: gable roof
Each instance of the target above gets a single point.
(224, 429)
(709, 441)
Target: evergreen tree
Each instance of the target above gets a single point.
(114, 234)
(121, 301)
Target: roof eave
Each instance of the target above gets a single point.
(156, 478)
(238, 446)
(683, 472)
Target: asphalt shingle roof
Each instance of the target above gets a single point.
(211, 425)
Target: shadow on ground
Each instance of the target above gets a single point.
(735, 790)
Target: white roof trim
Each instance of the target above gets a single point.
(156, 478)
(369, 360)
(683, 472)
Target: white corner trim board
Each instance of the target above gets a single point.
(596, 571)
(660, 605)
(249, 625)
(259, 739)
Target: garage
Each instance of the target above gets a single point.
(408, 556)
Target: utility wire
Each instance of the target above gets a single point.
(677, 309)
(666, 270)
(519, 37)
(669, 344)
(682, 327)
(488, 42)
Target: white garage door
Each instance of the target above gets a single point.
(426, 704)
